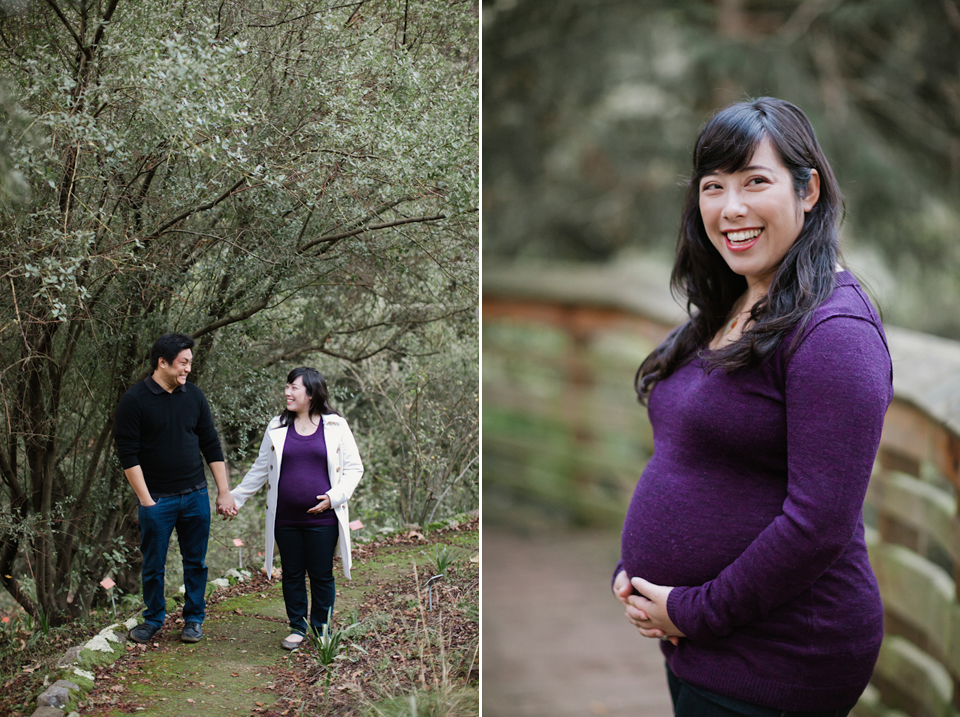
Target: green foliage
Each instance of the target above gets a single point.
(284, 181)
(421, 446)
(441, 559)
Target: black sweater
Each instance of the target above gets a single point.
(167, 435)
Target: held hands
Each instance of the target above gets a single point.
(647, 611)
(226, 505)
(323, 505)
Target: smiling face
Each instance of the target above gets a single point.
(298, 400)
(171, 375)
(753, 216)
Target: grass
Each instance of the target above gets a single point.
(385, 645)
(383, 648)
(404, 659)
(449, 701)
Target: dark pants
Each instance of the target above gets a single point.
(690, 701)
(189, 514)
(308, 551)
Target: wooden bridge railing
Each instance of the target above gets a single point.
(561, 425)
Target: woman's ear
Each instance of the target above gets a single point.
(813, 191)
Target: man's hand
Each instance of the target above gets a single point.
(226, 505)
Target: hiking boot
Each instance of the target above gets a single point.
(143, 633)
(192, 632)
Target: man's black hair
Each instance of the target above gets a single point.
(168, 347)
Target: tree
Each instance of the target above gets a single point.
(276, 179)
(426, 423)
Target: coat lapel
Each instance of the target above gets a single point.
(331, 437)
(277, 437)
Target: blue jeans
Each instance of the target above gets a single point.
(189, 514)
(690, 701)
(308, 551)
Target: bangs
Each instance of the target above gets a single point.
(728, 141)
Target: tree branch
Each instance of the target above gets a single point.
(363, 230)
(319, 348)
(201, 208)
(259, 306)
(7, 556)
(414, 322)
(103, 23)
(66, 24)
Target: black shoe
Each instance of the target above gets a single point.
(143, 633)
(192, 632)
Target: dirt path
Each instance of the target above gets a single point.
(239, 668)
(555, 642)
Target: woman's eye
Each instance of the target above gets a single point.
(758, 180)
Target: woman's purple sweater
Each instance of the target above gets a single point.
(752, 507)
(303, 477)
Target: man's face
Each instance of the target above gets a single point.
(175, 374)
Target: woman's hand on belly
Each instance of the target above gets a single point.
(323, 505)
(648, 611)
(638, 615)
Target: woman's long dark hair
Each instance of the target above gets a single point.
(805, 277)
(316, 388)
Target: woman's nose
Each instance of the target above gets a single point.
(733, 206)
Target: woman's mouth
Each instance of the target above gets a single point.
(742, 239)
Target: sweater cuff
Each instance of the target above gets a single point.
(681, 608)
(214, 456)
(616, 572)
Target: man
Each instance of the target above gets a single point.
(163, 430)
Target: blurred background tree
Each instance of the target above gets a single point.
(289, 182)
(591, 109)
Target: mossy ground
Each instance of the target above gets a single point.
(239, 668)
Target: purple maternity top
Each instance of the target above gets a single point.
(303, 476)
(752, 507)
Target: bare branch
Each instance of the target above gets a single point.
(66, 24)
(201, 208)
(363, 230)
(7, 556)
(259, 306)
(415, 322)
(107, 16)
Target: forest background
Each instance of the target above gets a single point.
(289, 182)
(590, 112)
(591, 108)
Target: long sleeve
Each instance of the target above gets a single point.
(837, 389)
(257, 475)
(207, 436)
(126, 431)
(352, 469)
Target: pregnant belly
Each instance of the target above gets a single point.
(684, 527)
(297, 498)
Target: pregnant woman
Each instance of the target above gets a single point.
(310, 458)
(743, 546)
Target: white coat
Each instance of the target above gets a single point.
(343, 466)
